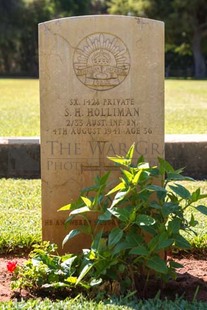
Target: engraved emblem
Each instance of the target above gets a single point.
(101, 61)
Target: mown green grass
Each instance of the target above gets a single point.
(185, 107)
(20, 213)
(121, 304)
(20, 112)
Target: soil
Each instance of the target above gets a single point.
(191, 282)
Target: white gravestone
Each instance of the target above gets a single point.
(101, 89)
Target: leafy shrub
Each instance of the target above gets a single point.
(47, 271)
(145, 214)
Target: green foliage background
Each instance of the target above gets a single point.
(185, 22)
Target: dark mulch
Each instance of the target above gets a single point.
(191, 282)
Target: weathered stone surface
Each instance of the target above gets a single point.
(101, 87)
(188, 152)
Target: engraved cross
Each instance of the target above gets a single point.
(101, 167)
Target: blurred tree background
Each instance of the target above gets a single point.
(185, 23)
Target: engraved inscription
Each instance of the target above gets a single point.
(101, 61)
(77, 222)
(68, 156)
(95, 116)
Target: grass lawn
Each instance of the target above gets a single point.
(19, 101)
(20, 213)
(120, 304)
(185, 107)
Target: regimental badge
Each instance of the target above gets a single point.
(101, 61)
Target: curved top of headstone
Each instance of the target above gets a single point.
(100, 45)
(141, 20)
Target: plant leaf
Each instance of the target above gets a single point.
(173, 176)
(143, 166)
(120, 160)
(137, 177)
(80, 210)
(69, 219)
(106, 216)
(155, 205)
(104, 178)
(140, 160)
(130, 152)
(170, 207)
(163, 244)
(87, 201)
(54, 285)
(84, 271)
(175, 264)
(153, 243)
(68, 262)
(165, 166)
(145, 220)
(180, 191)
(115, 236)
(92, 255)
(71, 235)
(123, 214)
(65, 208)
(156, 188)
(202, 209)
(134, 239)
(118, 187)
(181, 242)
(120, 247)
(95, 282)
(96, 241)
(71, 280)
(174, 225)
(127, 176)
(157, 264)
(118, 197)
(140, 250)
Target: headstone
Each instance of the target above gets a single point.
(101, 89)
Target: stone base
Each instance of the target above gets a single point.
(20, 157)
(189, 152)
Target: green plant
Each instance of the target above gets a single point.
(137, 222)
(45, 270)
(147, 214)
